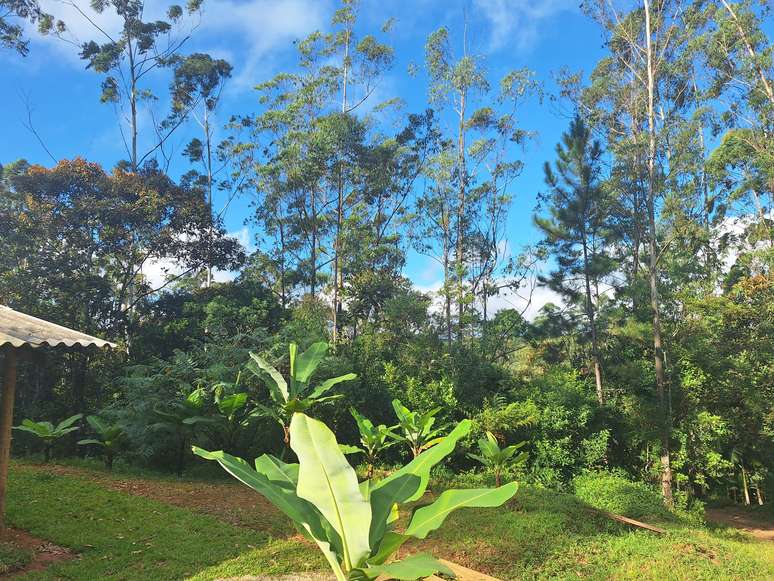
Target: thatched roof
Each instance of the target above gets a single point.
(20, 330)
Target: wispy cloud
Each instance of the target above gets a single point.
(517, 23)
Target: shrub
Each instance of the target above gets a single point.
(615, 493)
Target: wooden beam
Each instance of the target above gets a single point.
(6, 421)
(631, 522)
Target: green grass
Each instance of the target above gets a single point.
(548, 535)
(125, 537)
(538, 535)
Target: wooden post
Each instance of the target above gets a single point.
(6, 421)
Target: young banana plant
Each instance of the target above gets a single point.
(354, 524)
(48, 433)
(417, 429)
(373, 439)
(295, 394)
(496, 458)
(110, 437)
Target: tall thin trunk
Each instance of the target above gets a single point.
(313, 282)
(446, 285)
(461, 198)
(593, 324)
(338, 279)
(133, 103)
(658, 351)
(283, 282)
(745, 486)
(751, 52)
(208, 143)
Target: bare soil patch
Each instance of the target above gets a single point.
(43, 552)
(741, 519)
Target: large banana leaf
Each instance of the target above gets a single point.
(384, 498)
(282, 495)
(412, 567)
(422, 464)
(428, 518)
(329, 383)
(277, 385)
(391, 542)
(307, 362)
(64, 424)
(276, 470)
(326, 480)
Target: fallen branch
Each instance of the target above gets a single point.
(630, 521)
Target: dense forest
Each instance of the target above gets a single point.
(655, 362)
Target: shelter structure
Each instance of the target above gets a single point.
(20, 332)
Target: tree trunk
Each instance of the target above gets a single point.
(6, 421)
(461, 198)
(593, 325)
(745, 486)
(208, 140)
(658, 351)
(751, 53)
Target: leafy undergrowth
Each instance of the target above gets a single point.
(538, 535)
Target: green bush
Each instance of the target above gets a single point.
(615, 493)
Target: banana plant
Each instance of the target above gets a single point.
(417, 429)
(234, 413)
(295, 394)
(354, 524)
(373, 439)
(48, 433)
(495, 458)
(110, 437)
(182, 419)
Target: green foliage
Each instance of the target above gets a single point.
(495, 458)
(182, 420)
(49, 433)
(373, 439)
(111, 438)
(617, 494)
(352, 523)
(416, 428)
(296, 394)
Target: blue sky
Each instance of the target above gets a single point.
(256, 36)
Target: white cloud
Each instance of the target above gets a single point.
(157, 272)
(528, 299)
(518, 22)
(263, 26)
(243, 31)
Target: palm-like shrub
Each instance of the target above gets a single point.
(373, 439)
(353, 523)
(495, 458)
(49, 433)
(111, 438)
(417, 429)
(295, 394)
(181, 420)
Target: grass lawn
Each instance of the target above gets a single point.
(147, 528)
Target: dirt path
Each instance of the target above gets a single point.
(739, 518)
